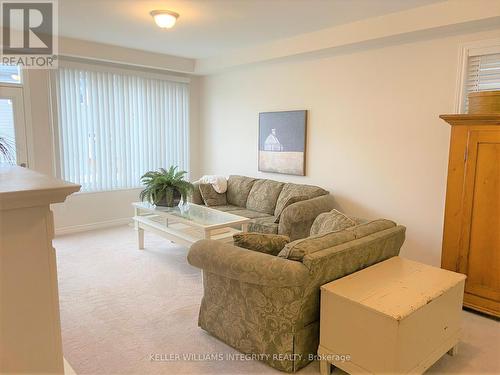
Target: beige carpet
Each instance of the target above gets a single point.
(119, 305)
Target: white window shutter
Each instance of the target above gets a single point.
(483, 74)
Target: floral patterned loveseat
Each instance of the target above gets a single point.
(268, 305)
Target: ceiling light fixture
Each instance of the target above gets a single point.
(164, 18)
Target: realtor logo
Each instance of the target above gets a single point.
(28, 33)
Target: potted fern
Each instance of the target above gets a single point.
(6, 151)
(165, 187)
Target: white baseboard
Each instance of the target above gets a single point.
(92, 226)
(68, 370)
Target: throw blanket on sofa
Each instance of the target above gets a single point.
(218, 182)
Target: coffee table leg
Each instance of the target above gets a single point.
(206, 234)
(140, 238)
(244, 227)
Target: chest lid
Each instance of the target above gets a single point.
(396, 287)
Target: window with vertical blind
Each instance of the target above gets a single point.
(483, 74)
(115, 126)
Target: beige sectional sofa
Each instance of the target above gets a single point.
(274, 207)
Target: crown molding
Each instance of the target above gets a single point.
(83, 49)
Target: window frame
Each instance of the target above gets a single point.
(24, 88)
(21, 82)
(99, 66)
(476, 48)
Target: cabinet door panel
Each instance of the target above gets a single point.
(480, 247)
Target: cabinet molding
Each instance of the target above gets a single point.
(30, 329)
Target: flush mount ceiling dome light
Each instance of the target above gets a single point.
(165, 18)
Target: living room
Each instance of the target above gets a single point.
(227, 91)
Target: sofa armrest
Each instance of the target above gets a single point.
(246, 265)
(296, 220)
(195, 196)
(338, 261)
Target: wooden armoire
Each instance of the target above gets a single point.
(471, 241)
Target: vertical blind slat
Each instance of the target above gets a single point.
(113, 127)
(128, 134)
(483, 73)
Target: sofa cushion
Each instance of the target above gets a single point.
(227, 208)
(330, 222)
(365, 229)
(211, 197)
(297, 249)
(238, 188)
(290, 201)
(195, 195)
(263, 196)
(261, 242)
(263, 225)
(359, 220)
(291, 190)
(251, 214)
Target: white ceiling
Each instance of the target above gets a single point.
(209, 28)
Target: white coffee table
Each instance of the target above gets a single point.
(186, 224)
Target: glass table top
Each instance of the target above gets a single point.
(200, 215)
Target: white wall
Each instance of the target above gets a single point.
(85, 211)
(374, 136)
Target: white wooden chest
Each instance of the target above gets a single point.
(397, 316)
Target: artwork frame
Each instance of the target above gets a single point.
(282, 142)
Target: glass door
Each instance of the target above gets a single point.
(12, 127)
